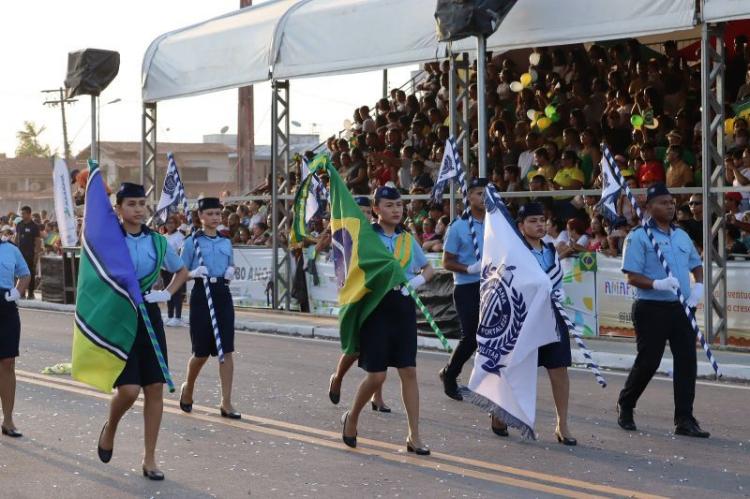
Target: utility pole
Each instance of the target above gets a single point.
(61, 102)
(245, 132)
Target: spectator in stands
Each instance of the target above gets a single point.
(512, 178)
(544, 166)
(243, 236)
(679, 173)
(260, 235)
(420, 177)
(598, 240)
(734, 243)
(526, 158)
(556, 231)
(578, 240)
(652, 169)
(435, 243)
(570, 176)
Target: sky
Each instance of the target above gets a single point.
(37, 36)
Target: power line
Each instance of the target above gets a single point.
(62, 101)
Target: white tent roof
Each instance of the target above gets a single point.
(725, 10)
(290, 39)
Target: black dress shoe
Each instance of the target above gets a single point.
(450, 386)
(690, 428)
(184, 405)
(625, 418)
(104, 455)
(333, 396)
(565, 440)
(153, 474)
(379, 408)
(230, 414)
(11, 433)
(500, 431)
(349, 441)
(420, 451)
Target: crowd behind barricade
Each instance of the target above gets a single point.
(546, 123)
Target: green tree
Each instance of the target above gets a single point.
(28, 142)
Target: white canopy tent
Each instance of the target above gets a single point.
(725, 10)
(285, 39)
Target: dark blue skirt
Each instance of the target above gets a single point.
(388, 337)
(142, 367)
(201, 329)
(10, 327)
(556, 355)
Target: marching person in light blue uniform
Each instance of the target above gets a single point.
(149, 253)
(459, 256)
(216, 270)
(14, 279)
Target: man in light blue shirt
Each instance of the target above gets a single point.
(460, 257)
(658, 315)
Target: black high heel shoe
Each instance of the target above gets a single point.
(349, 441)
(420, 451)
(11, 433)
(379, 408)
(230, 414)
(104, 455)
(155, 475)
(333, 396)
(184, 405)
(565, 440)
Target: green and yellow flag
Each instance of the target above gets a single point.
(365, 269)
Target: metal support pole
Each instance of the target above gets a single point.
(148, 153)
(482, 104)
(280, 208)
(712, 162)
(385, 83)
(458, 91)
(94, 129)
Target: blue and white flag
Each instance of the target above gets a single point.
(449, 169)
(172, 194)
(515, 319)
(317, 189)
(64, 210)
(611, 188)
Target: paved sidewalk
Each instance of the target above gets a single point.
(608, 353)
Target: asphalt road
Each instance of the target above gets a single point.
(288, 442)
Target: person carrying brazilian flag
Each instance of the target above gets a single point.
(377, 268)
(118, 338)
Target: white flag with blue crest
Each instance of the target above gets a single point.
(173, 197)
(610, 192)
(515, 319)
(449, 169)
(317, 189)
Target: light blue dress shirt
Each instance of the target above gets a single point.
(418, 260)
(12, 265)
(143, 254)
(546, 259)
(458, 242)
(216, 251)
(640, 257)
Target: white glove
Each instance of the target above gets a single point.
(229, 273)
(666, 284)
(474, 268)
(559, 295)
(160, 296)
(696, 295)
(12, 295)
(199, 272)
(414, 283)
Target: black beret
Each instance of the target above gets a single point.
(130, 190)
(656, 190)
(363, 201)
(530, 210)
(208, 204)
(387, 192)
(478, 182)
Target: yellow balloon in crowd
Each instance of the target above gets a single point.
(526, 79)
(543, 123)
(729, 126)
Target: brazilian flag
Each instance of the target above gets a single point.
(365, 269)
(742, 108)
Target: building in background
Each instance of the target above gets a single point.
(25, 181)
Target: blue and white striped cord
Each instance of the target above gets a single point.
(465, 194)
(209, 299)
(157, 349)
(691, 316)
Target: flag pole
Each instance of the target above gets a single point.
(428, 316)
(607, 156)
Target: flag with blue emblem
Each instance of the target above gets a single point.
(173, 197)
(449, 169)
(515, 319)
(610, 192)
